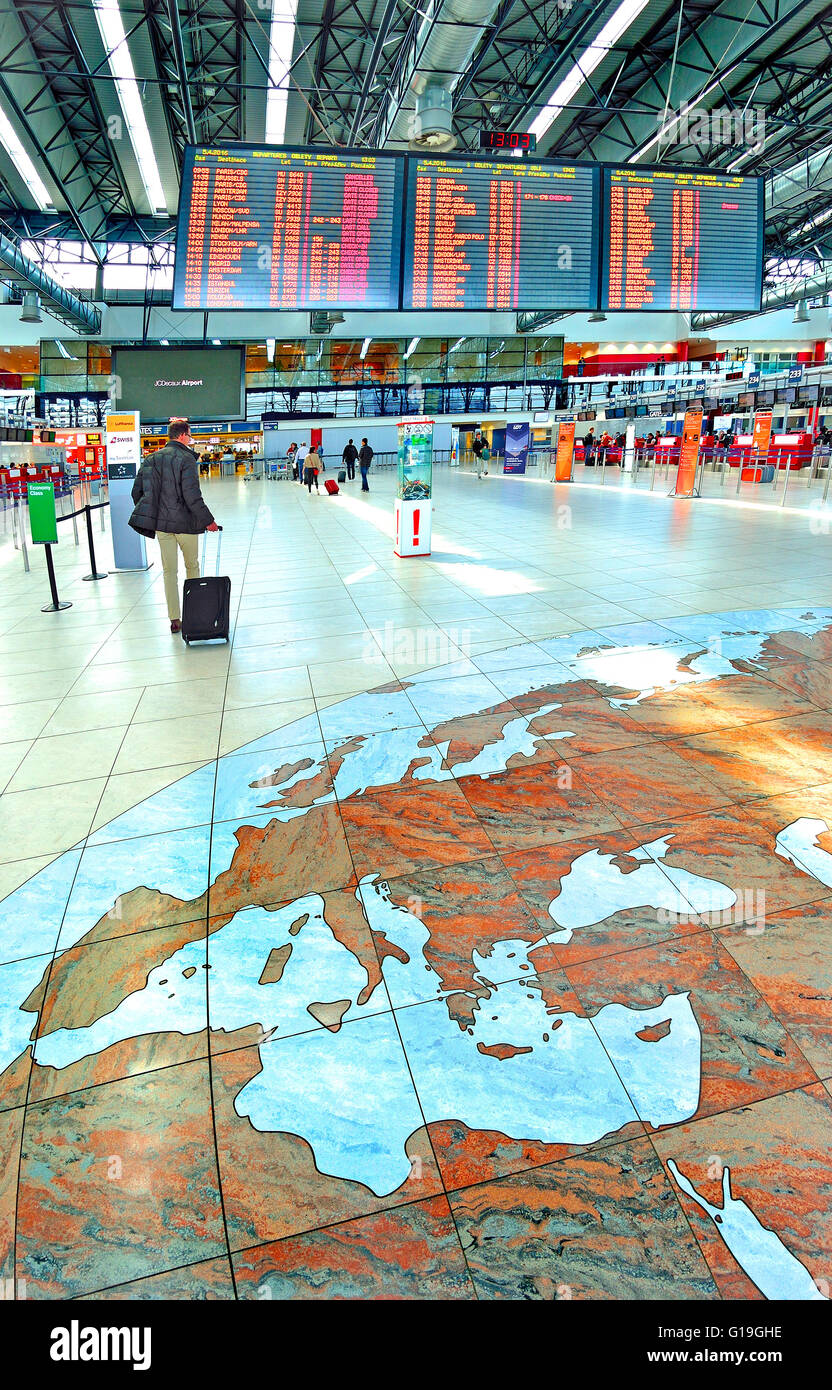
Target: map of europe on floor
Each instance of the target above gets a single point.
(506, 982)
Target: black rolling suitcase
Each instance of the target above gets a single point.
(342, 476)
(206, 602)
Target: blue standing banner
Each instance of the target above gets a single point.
(518, 436)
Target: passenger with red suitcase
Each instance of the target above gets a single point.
(311, 468)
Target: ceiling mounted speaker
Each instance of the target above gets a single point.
(433, 121)
(30, 313)
(801, 313)
(597, 317)
(322, 321)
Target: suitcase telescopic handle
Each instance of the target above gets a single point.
(205, 546)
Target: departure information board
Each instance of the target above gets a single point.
(681, 240)
(266, 228)
(486, 235)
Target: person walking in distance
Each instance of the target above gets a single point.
(170, 505)
(348, 458)
(311, 468)
(365, 458)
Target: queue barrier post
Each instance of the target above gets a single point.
(94, 573)
(57, 604)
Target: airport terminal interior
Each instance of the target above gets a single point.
(416, 650)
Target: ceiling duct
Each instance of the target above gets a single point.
(18, 269)
(445, 42)
(813, 287)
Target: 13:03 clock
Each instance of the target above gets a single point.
(507, 140)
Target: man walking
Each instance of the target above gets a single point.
(365, 458)
(170, 506)
(348, 458)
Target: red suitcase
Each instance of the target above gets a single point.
(332, 487)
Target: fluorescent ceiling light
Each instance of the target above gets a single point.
(24, 165)
(457, 344)
(607, 38)
(270, 347)
(364, 347)
(413, 343)
(281, 45)
(217, 342)
(163, 342)
(121, 66)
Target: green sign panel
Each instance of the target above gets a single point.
(42, 518)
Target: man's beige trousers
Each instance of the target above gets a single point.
(170, 545)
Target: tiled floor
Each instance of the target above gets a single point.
(460, 930)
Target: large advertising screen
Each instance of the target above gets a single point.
(197, 383)
(266, 228)
(681, 240)
(484, 234)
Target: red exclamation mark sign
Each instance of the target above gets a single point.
(416, 515)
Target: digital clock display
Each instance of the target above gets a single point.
(507, 140)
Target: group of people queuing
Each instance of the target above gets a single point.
(307, 464)
(595, 446)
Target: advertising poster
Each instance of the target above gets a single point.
(565, 451)
(689, 453)
(518, 435)
(761, 438)
(123, 434)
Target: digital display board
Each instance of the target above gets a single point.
(484, 235)
(197, 383)
(261, 227)
(681, 240)
(508, 140)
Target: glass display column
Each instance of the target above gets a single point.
(413, 495)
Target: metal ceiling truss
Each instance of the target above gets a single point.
(199, 52)
(351, 73)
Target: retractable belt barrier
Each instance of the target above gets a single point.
(57, 604)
